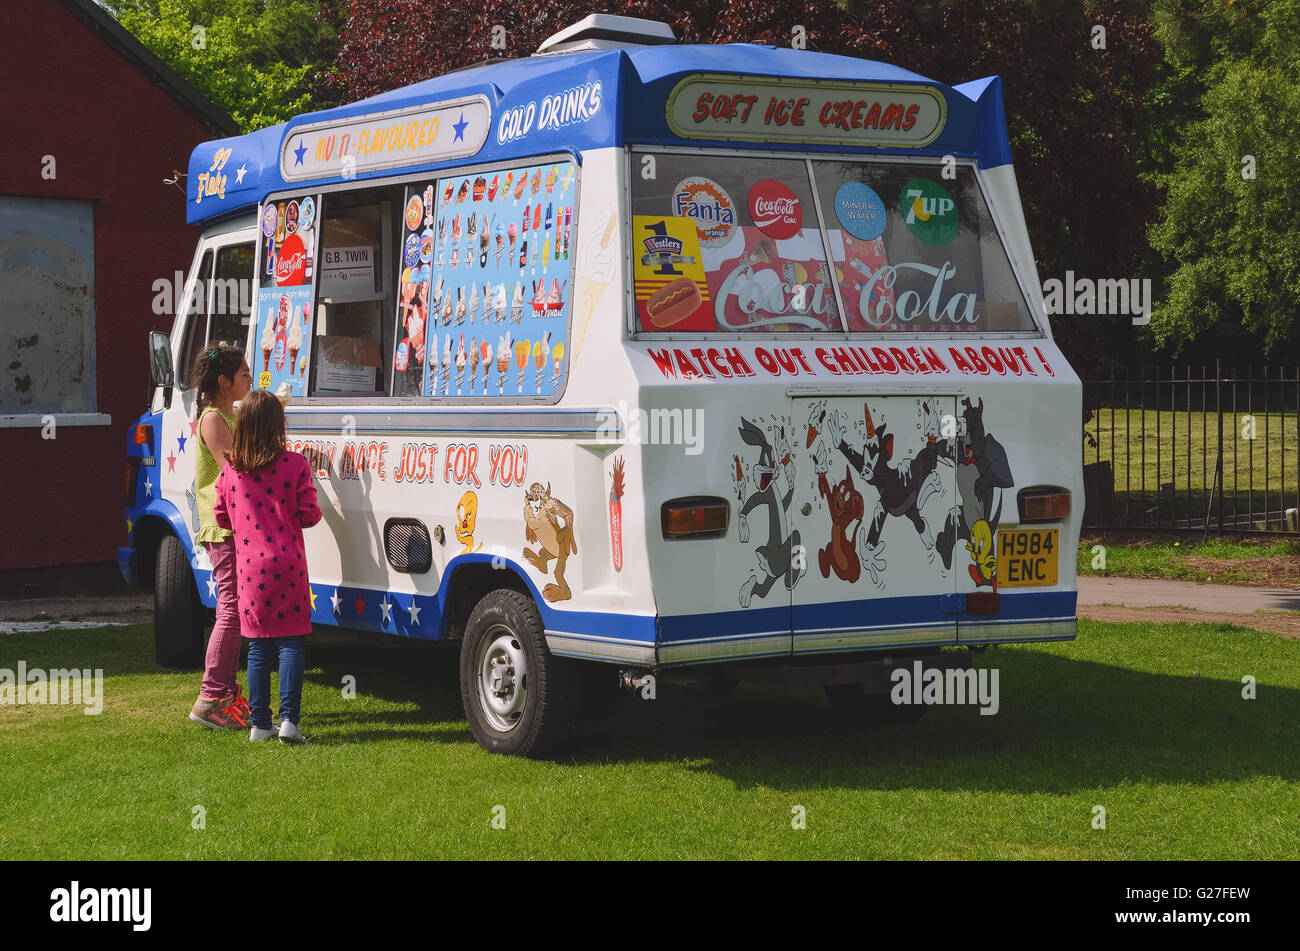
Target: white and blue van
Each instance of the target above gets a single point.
(718, 359)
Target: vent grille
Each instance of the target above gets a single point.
(407, 546)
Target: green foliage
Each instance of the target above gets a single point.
(259, 60)
(1231, 243)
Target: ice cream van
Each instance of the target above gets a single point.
(721, 361)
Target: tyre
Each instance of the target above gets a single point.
(177, 618)
(851, 704)
(519, 698)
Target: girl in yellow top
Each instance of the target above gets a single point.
(222, 377)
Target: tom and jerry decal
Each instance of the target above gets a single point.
(879, 489)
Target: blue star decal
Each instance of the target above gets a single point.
(460, 128)
(298, 154)
(181, 440)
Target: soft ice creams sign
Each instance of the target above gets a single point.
(434, 133)
(895, 115)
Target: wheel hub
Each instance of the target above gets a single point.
(502, 679)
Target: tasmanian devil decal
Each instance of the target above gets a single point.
(902, 489)
(548, 522)
(982, 473)
(772, 476)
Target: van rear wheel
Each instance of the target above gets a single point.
(519, 698)
(850, 703)
(177, 615)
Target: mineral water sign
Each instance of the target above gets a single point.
(348, 147)
(897, 115)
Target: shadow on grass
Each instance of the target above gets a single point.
(1064, 725)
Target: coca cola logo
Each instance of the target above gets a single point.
(291, 262)
(775, 209)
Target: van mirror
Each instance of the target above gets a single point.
(160, 364)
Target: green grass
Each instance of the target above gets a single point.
(1130, 443)
(1146, 721)
(1168, 558)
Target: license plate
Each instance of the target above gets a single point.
(1027, 557)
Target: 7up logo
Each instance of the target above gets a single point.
(928, 211)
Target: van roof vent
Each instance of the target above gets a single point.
(606, 31)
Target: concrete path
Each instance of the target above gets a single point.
(49, 614)
(1215, 598)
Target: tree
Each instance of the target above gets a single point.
(1228, 229)
(259, 60)
(1074, 111)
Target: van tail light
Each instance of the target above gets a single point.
(132, 469)
(143, 435)
(1043, 505)
(694, 517)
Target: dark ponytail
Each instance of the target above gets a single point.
(215, 360)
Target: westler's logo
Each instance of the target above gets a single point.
(658, 244)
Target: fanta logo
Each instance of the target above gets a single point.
(709, 205)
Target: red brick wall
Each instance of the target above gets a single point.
(115, 136)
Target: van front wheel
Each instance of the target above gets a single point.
(177, 617)
(519, 698)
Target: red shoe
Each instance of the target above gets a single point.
(216, 714)
(236, 708)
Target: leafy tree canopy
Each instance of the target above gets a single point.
(259, 60)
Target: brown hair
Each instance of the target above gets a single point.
(214, 361)
(259, 432)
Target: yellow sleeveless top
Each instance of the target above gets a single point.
(206, 470)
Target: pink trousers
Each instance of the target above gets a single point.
(222, 662)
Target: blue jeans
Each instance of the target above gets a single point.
(262, 653)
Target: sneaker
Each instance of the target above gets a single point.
(215, 715)
(236, 708)
(289, 733)
(256, 734)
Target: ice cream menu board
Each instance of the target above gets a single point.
(484, 288)
(283, 314)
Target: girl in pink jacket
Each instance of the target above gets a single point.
(265, 496)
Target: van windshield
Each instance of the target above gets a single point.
(736, 242)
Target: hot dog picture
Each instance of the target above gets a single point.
(673, 302)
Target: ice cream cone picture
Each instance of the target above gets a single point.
(446, 365)
(473, 302)
(487, 302)
(541, 354)
(557, 355)
(460, 365)
(473, 362)
(503, 362)
(514, 236)
(431, 378)
(268, 340)
(502, 304)
(517, 304)
(521, 360)
(486, 348)
(295, 340)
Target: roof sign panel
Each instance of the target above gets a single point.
(758, 109)
(437, 132)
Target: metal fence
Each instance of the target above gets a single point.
(1176, 450)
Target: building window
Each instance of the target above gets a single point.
(47, 306)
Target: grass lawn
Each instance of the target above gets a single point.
(1227, 561)
(1259, 474)
(1146, 721)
